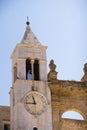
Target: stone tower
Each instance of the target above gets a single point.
(39, 100)
(30, 96)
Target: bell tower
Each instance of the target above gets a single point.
(30, 96)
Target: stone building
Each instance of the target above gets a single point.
(4, 118)
(38, 100)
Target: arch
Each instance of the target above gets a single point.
(35, 128)
(73, 114)
(36, 69)
(28, 69)
(6, 126)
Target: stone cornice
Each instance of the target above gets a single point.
(28, 46)
(68, 88)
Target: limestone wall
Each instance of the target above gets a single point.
(67, 124)
(4, 116)
(66, 96)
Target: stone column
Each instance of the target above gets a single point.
(32, 67)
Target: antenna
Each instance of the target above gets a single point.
(27, 21)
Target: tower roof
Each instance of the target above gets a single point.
(29, 36)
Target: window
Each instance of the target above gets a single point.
(36, 70)
(28, 69)
(72, 115)
(35, 128)
(6, 126)
(32, 73)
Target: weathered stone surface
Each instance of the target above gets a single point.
(84, 78)
(65, 96)
(52, 75)
(61, 96)
(4, 116)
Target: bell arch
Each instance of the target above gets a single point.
(32, 70)
(36, 69)
(28, 69)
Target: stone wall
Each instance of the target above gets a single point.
(4, 116)
(66, 96)
(67, 124)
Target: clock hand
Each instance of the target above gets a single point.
(34, 99)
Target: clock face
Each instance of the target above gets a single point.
(35, 103)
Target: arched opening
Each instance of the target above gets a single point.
(36, 70)
(35, 128)
(6, 126)
(15, 73)
(28, 70)
(72, 115)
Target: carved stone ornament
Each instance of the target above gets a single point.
(84, 78)
(52, 66)
(52, 75)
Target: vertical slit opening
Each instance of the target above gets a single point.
(28, 70)
(36, 70)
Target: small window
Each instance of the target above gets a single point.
(6, 126)
(35, 128)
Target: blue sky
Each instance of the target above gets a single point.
(59, 24)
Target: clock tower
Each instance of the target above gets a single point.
(30, 95)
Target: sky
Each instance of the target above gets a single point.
(59, 24)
